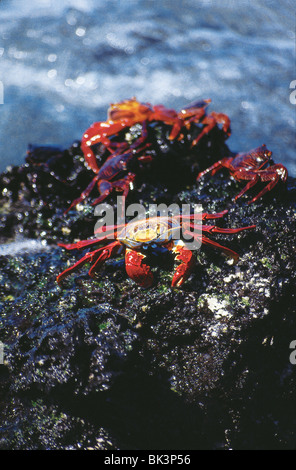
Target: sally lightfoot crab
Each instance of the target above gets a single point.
(253, 166)
(135, 237)
(129, 112)
(113, 174)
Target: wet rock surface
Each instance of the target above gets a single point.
(105, 364)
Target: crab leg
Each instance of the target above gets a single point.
(207, 241)
(109, 229)
(274, 180)
(98, 132)
(97, 257)
(213, 169)
(202, 216)
(255, 178)
(107, 252)
(136, 270)
(218, 215)
(213, 229)
(272, 175)
(86, 243)
(210, 121)
(227, 251)
(195, 220)
(179, 123)
(142, 138)
(119, 159)
(193, 112)
(104, 233)
(106, 187)
(84, 194)
(88, 258)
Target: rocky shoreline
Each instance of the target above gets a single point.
(104, 364)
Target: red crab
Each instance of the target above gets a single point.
(112, 174)
(129, 112)
(133, 238)
(253, 166)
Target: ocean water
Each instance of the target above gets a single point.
(63, 61)
(20, 246)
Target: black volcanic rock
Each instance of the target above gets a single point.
(105, 364)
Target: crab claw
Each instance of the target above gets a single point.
(186, 262)
(136, 270)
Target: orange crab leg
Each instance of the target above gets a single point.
(192, 113)
(223, 119)
(99, 132)
(137, 270)
(210, 122)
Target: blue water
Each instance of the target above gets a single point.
(64, 61)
